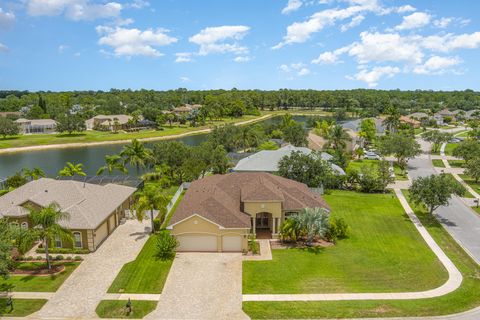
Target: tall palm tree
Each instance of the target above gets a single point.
(137, 155)
(71, 170)
(150, 199)
(338, 137)
(392, 121)
(112, 163)
(33, 174)
(46, 225)
(287, 120)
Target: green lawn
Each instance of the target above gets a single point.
(359, 164)
(476, 209)
(438, 163)
(457, 163)
(384, 253)
(475, 185)
(145, 274)
(449, 148)
(167, 219)
(465, 298)
(116, 309)
(38, 283)
(399, 173)
(21, 307)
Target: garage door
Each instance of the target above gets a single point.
(232, 243)
(101, 233)
(197, 243)
(112, 222)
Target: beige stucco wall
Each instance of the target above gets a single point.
(252, 208)
(197, 225)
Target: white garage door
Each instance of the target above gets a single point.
(197, 243)
(232, 243)
(101, 233)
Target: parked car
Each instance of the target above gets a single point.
(371, 156)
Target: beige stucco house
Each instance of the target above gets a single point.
(94, 210)
(218, 212)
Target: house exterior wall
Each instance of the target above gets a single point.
(197, 225)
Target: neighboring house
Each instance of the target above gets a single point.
(470, 114)
(28, 126)
(106, 122)
(218, 212)
(419, 116)
(94, 210)
(10, 114)
(268, 160)
(441, 115)
(187, 108)
(410, 121)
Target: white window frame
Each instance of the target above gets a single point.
(58, 240)
(75, 240)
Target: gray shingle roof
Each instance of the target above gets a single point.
(88, 204)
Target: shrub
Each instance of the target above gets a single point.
(38, 258)
(64, 251)
(59, 257)
(29, 258)
(156, 224)
(69, 258)
(166, 245)
(253, 246)
(78, 258)
(337, 229)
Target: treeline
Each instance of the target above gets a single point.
(365, 102)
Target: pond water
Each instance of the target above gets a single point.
(52, 160)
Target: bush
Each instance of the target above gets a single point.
(78, 258)
(29, 258)
(59, 257)
(337, 229)
(69, 258)
(166, 245)
(156, 224)
(253, 246)
(63, 251)
(38, 258)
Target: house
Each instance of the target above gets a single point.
(10, 114)
(186, 108)
(28, 126)
(419, 116)
(268, 160)
(219, 212)
(442, 115)
(107, 122)
(410, 121)
(94, 210)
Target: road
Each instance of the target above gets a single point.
(459, 220)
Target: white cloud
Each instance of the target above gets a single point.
(353, 23)
(242, 59)
(442, 22)
(326, 58)
(221, 39)
(415, 20)
(404, 9)
(183, 57)
(134, 42)
(371, 77)
(74, 9)
(292, 5)
(3, 48)
(437, 65)
(77, 54)
(300, 69)
(139, 4)
(185, 79)
(6, 19)
(62, 48)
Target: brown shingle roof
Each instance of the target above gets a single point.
(219, 198)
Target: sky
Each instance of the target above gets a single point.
(247, 44)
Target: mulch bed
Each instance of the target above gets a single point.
(41, 271)
(277, 244)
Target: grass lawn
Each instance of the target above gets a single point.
(167, 219)
(25, 283)
(399, 173)
(449, 148)
(438, 163)
(457, 163)
(476, 209)
(21, 307)
(475, 185)
(116, 309)
(384, 253)
(145, 274)
(359, 164)
(465, 298)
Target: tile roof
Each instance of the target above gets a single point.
(88, 204)
(219, 198)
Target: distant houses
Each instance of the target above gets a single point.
(108, 122)
(29, 126)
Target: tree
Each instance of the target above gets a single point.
(16, 180)
(150, 199)
(166, 245)
(472, 168)
(137, 155)
(268, 145)
(70, 123)
(309, 169)
(434, 191)
(368, 130)
(437, 138)
(8, 127)
(71, 170)
(170, 117)
(6, 246)
(34, 174)
(46, 225)
(401, 146)
(468, 150)
(160, 120)
(314, 222)
(116, 125)
(338, 137)
(392, 121)
(112, 163)
(295, 134)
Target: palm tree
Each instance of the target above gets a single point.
(287, 120)
(150, 199)
(392, 121)
(116, 125)
(338, 137)
(112, 163)
(137, 155)
(33, 174)
(46, 225)
(71, 170)
(314, 222)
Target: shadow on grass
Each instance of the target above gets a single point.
(314, 250)
(72, 135)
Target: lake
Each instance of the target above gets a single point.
(52, 160)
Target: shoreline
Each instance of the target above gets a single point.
(100, 143)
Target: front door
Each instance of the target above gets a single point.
(262, 220)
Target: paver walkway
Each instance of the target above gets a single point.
(202, 286)
(454, 276)
(80, 294)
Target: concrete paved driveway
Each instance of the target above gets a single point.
(202, 286)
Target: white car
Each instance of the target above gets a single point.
(371, 156)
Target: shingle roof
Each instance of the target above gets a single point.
(219, 198)
(87, 204)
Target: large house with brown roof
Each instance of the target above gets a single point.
(218, 212)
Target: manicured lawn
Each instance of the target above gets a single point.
(145, 274)
(384, 253)
(475, 185)
(359, 164)
(438, 163)
(116, 309)
(39, 283)
(456, 163)
(449, 148)
(21, 307)
(476, 209)
(465, 298)
(399, 173)
(167, 219)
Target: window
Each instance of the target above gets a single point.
(77, 237)
(290, 213)
(24, 225)
(58, 241)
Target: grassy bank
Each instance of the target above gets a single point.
(21, 307)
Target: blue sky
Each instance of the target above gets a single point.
(247, 44)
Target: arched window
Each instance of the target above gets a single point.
(58, 241)
(77, 239)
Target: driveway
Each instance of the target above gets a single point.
(82, 291)
(202, 286)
